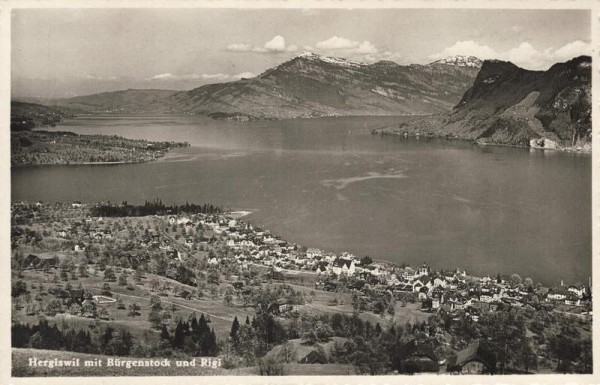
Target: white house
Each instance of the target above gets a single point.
(343, 266)
(579, 291)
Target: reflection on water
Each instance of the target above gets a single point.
(329, 183)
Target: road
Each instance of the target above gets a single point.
(229, 319)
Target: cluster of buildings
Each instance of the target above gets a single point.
(447, 290)
(247, 245)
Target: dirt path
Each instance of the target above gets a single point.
(229, 319)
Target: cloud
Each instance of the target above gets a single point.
(239, 47)
(366, 48)
(336, 45)
(467, 48)
(162, 76)
(524, 55)
(335, 42)
(516, 29)
(573, 49)
(276, 45)
(245, 75)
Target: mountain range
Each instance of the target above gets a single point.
(511, 105)
(488, 101)
(308, 85)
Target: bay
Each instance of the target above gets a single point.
(329, 183)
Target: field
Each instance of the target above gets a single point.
(221, 316)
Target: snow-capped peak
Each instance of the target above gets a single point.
(332, 60)
(461, 61)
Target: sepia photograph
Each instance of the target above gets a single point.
(289, 191)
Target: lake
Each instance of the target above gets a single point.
(329, 183)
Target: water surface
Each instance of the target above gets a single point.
(329, 183)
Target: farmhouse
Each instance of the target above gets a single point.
(417, 357)
(477, 358)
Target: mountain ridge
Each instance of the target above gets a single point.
(308, 85)
(511, 105)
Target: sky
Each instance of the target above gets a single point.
(68, 52)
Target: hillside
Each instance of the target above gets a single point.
(511, 105)
(308, 85)
(25, 116)
(126, 101)
(311, 85)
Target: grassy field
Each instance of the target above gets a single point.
(221, 315)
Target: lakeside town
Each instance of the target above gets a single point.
(151, 270)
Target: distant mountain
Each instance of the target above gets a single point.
(461, 61)
(126, 101)
(312, 85)
(308, 85)
(511, 105)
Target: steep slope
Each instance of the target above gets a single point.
(511, 105)
(312, 85)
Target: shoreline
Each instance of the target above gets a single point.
(84, 163)
(381, 131)
(384, 262)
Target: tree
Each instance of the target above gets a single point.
(526, 356)
(138, 276)
(565, 346)
(270, 366)
(309, 338)
(369, 357)
(109, 275)
(106, 290)
(235, 328)
(366, 260)
(586, 357)
(155, 318)
(54, 307)
(515, 280)
(228, 299)
(288, 352)
(134, 310)
(89, 309)
(122, 280)
(103, 313)
(323, 331)
(83, 269)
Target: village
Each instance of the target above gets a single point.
(244, 245)
(450, 290)
(217, 264)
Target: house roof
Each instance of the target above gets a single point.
(476, 351)
(340, 262)
(558, 290)
(415, 349)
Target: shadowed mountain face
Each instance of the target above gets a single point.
(306, 86)
(511, 105)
